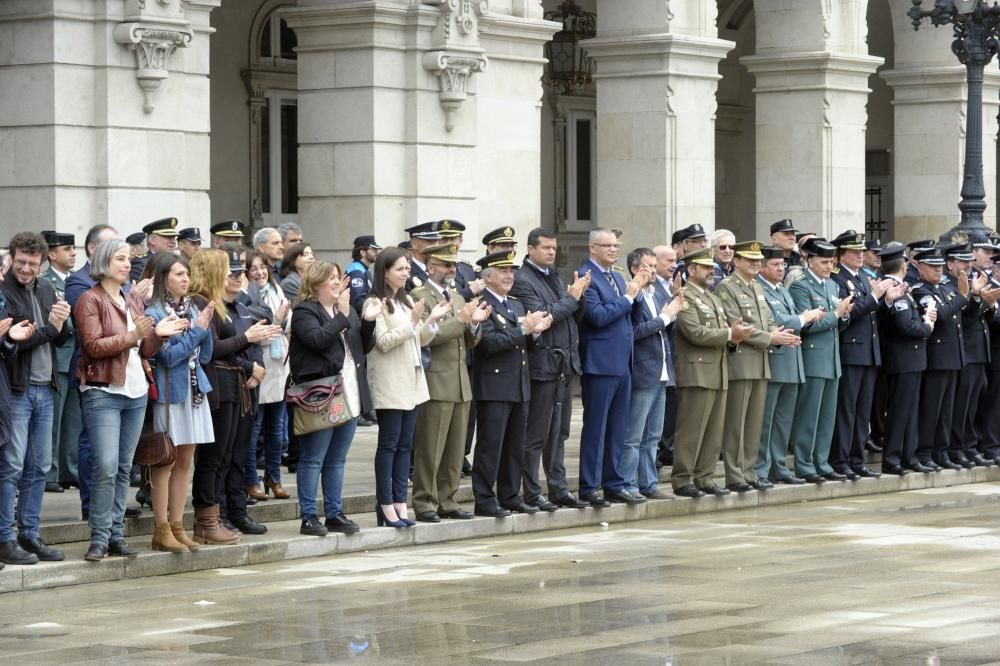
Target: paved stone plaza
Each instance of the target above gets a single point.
(900, 578)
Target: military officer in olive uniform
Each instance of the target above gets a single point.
(704, 336)
(161, 236)
(501, 384)
(903, 333)
(743, 300)
(816, 405)
(439, 441)
(945, 357)
(65, 414)
(467, 281)
(787, 372)
(423, 237)
(860, 357)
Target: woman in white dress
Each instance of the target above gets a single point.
(180, 360)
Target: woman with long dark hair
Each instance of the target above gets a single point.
(181, 408)
(396, 377)
(327, 339)
(297, 259)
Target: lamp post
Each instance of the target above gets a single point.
(569, 68)
(976, 25)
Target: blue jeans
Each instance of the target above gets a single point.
(645, 425)
(270, 417)
(322, 456)
(26, 460)
(114, 423)
(392, 457)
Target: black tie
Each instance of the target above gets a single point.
(446, 296)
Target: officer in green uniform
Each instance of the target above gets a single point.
(743, 300)
(65, 413)
(703, 338)
(816, 407)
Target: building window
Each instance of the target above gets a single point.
(580, 168)
(276, 41)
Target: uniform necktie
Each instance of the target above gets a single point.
(447, 296)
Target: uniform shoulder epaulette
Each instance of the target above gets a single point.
(834, 271)
(797, 275)
(618, 268)
(512, 297)
(917, 285)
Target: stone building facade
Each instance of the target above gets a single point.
(367, 116)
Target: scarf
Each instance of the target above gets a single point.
(182, 309)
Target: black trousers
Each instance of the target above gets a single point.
(499, 453)
(988, 422)
(879, 408)
(545, 438)
(900, 435)
(232, 486)
(971, 382)
(665, 448)
(212, 461)
(854, 408)
(937, 402)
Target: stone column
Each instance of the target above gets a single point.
(105, 113)
(812, 69)
(929, 107)
(657, 74)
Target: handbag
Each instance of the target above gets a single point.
(156, 449)
(319, 404)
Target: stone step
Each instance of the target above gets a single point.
(283, 542)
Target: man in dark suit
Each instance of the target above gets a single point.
(652, 372)
(606, 355)
(161, 236)
(860, 357)
(666, 287)
(502, 387)
(553, 362)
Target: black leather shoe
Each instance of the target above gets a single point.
(996, 461)
(130, 512)
(834, 476)
(312, 527)
(12, 553)
(960, 460)
(493, 512)
(791, 480)
(95, 553)
(623, 496)
(457, 514)
(690, 490)
(570, 501)
(228, 524)
(658, 495)
(248, 525)
(947, 464)
(523, 507)
(814, 478)
(919, 467)
(850, 474)
(761, 484)
(38, 547)
(135, 477)
(866, 472)
(895, 470)
(341, 523)
(121, 549)
(544, 504)
(428, 517)
(981, 461)
(595, 500)
(53, 487)
(873, 447)
(466, 467)
(740, 487)
(715, 490)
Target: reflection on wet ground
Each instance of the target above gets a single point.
(905, 578)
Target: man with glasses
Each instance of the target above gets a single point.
(722, 245)
(32, 374)
(606, 341)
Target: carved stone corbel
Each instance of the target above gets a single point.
(456, 54)
(153, 45)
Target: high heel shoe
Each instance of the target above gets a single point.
(144, 496)
(409, 523)
(385, 522)
(257, 493)
(275, 488)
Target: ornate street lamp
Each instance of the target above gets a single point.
(569, 67)
(976, 25)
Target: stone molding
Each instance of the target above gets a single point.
(935, 85)
(819, 70)
(153, 30)
(456, 54)
(625, 57)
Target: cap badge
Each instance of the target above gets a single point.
(508, 232)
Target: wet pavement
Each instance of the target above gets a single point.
(900, 578)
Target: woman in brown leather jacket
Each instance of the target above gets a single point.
(115, 336)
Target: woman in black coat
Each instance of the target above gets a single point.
(328, 338)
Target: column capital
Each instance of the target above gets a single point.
(657, 55)
(820, 70)
(917, 85)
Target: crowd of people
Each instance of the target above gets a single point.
(704, 349)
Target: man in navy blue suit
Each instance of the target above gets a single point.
(606, 354)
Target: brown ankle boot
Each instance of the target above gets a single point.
(209, 529)
(177, 529)
(163, 539)
(276, 488)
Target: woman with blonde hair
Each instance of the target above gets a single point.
(328, 339)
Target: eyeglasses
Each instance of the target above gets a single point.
(235, 275)
(724, 247)
(607, 246)
(21, 263)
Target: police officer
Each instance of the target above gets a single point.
(945, 357)
(423, 237)
(860, 357)
(872, 263)
(161, 235)
(816, 405)
(359, 270)
(137, 244)
(913, 247)
(189, 242)
(224, 233)
(987, 425)
(502, 388)
(783, 235)
(688, 240)
(903, 332)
